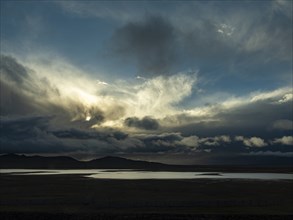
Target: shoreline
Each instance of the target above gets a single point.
(211, 169)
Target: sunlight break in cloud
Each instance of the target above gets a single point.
(146, 77)
(251, 142)
(286, 140)
(160, 95)
(83, 99)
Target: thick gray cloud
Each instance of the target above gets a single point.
(69, 103)
(24, 92)
(146, 123)
(24, 127)
(75, 133)
(285, 140)
(151, 43)
(29, 135)
(250, 119)
(40, 134)
(13, 70)
(13, 75)
(283, 124)
(31, 123)
(24, 79)
(14, 101)
(214, 38)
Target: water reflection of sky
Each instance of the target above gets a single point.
(135, 174)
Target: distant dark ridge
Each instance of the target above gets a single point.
(111, 162)
(38, 162)
(14, 161)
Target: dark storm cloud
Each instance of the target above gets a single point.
(264, 124)
(246, 38)
(103, 135)
(221, 144)
(14, 101)
(257, 118)
(273, 148)
(283, 124)
(146, 123)
(13, 78)
(74, 133)
(168, 137)
(251, 119)
(39, 134)
(21, 90)
(24, 95)
(24, 127)
(28, 135)
(151, 43)
(23, 78)
(204, 46)
(12, 69)
(246, 46)
(225, 39)
(157, 143)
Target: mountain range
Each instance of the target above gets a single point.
(15, 161)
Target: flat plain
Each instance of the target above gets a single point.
(78, 197)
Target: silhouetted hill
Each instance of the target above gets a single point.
(110, 162)
(38, 162)
(14, 161)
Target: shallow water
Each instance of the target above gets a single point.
(187, 175)
(135, 174)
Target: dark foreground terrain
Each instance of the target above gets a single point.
(77, 197)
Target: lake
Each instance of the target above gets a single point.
(139, 174)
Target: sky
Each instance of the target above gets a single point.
(190, 82)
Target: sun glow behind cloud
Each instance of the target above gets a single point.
(169, 81)
(146, 114)
(110, 104)
(156, 96)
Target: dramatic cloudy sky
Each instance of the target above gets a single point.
(188, 82)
